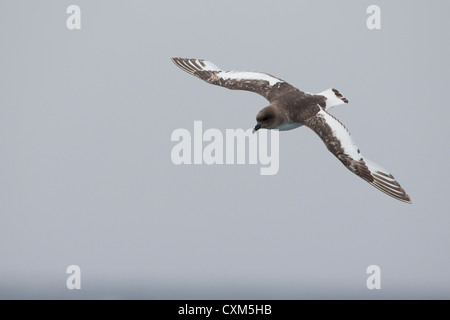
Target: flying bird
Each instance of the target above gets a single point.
(291, 108)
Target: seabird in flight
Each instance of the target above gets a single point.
(290, 108)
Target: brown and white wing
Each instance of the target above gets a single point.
(339, 141)
(262, 83)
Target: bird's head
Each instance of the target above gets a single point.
(268, 118)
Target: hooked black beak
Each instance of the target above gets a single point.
(257, 127)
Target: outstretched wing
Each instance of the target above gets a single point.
(338, 140)
(264, 84)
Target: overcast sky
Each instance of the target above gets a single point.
(86, 176)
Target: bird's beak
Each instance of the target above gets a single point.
(257, 127)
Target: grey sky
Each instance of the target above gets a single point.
(86, 175)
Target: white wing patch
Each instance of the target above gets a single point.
(373, 167)
(193, 65)
(342, 134)
(261, 83)
(380, 177)
(209, 66)
(249, 75)
(332, 99)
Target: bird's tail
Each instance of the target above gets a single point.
(334, 98)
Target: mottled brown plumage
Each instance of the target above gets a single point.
(290, 108)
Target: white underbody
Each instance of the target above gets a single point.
(289, 126)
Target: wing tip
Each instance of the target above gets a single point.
(339, 95)
(176, 59)
(406, 198)
(184, 64)
(191, 66)
(385, 182)
(391, 188)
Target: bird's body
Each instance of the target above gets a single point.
(291, 108)
(297, 106)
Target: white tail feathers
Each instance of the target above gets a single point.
(334, 98)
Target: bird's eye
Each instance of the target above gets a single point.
(265, 118)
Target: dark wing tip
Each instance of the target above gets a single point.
(185, 64)
(339, 95)
(389, 186)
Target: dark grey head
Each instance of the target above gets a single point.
(268, 118)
